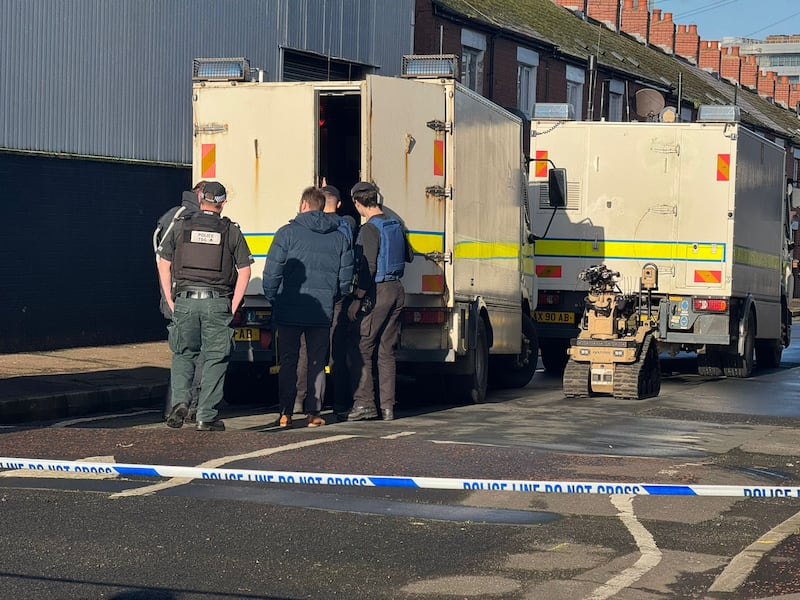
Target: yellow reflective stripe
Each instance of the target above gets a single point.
(641, 250)
(259, 243)
(424, 242)
(486, 250)
(754, 258)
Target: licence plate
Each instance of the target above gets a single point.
(246, 334)
(544, 316)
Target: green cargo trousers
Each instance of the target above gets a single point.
(200, 325)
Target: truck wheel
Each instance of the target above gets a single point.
(741, 366)
(768, 353)
(508, 372)
(709, 363)
(472, 387)
(554, 355)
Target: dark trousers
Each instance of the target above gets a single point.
(317, 340)
(379, 332)
(343, 355)
(200, 326)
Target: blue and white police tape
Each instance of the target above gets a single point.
(434, 483)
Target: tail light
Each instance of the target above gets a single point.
(265, 339)
(711, 305)
(549, 299)
(425, 316)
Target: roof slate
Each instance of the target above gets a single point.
(576, 38)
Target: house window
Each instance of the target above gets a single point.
(527, 63)
(473, 47)
(575, 80)
(616, 94)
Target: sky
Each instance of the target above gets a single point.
(716, 19)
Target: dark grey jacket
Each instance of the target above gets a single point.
(309, 265)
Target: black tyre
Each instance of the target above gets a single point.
(709, 363)
(741, 366)
(768, 353)
(472, 387)
(511, 372)
(554, 355)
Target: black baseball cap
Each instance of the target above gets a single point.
(333, 191)
(214, 192)
(363, 186)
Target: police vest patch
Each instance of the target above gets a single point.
(206, 237)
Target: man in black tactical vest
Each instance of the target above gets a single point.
(204, 267)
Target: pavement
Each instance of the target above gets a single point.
(75, 382)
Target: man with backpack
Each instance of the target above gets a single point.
(190, 203)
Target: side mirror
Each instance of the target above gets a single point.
(557, 187)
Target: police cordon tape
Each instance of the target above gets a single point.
(434, 483)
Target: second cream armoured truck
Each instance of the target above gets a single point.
(703, 202)
(448, 162)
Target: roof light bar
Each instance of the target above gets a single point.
(711, 113)
(220, 69)
(429, 65)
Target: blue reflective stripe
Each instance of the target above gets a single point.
(143, 471)
(670, 490)
(393, 481)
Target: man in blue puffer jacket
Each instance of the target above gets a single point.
(310, 263)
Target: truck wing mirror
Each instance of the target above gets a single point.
(557, 187)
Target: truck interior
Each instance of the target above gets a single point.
(339, 143)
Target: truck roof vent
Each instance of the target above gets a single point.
(220, 69)
(430, 66)
(711, 113)
(553, 111)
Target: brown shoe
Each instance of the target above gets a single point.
(285, 422)
(315, 421)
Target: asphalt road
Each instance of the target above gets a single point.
(124, 537)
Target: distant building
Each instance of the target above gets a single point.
(778, 53)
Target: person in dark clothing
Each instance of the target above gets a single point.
(190, 203)
(382, 250)
(309, 264)
(204, 267)
(342, 347)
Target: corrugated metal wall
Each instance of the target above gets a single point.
(113, 78)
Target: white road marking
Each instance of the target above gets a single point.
(65, 474)
(101, 418)
(394, 436)
(743, 563)
(223, 460)
(650, 554)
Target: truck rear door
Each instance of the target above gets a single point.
(259, 140)
(405, 155)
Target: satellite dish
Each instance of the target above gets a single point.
(649, 104)
(668, 115)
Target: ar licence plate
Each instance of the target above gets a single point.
(246, 334)
(545, 316)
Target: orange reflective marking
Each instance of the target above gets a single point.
(548, 271)
(707, 276)
(438, 157)
(723, 167)
(208, 161)
(540, 167)
(433, 283)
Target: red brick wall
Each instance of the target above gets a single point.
(766, 84)
(635, 19)
(687, 42)
(749, 73)
(605, 11)
(710, 56)
(504, 74)
(731, 66)
(794, 96)
(662, 30)
(782, 87)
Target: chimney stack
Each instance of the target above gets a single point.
(605, 11)
(766, 84)
(749, 73)
(573, 4)
(687, 43)
(794, 97)
(731, 67)
(782, 89)
(635, 19)
(662, 31)
(710, 56)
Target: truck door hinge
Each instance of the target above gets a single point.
(438, 125)
(439, 191)
(210, 128)
(439, 257)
